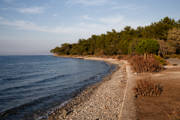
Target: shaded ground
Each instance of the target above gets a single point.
(166, 106)
(174, 61)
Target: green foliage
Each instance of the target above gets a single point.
(161, 60)
(128, 41)
(174, 38)
(148, 46)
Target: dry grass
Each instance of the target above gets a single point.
(147, 87)
(148, 64)
(174, 115)
(167, 105)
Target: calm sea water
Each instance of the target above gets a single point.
(31, 86)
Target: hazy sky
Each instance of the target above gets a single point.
(36, 26)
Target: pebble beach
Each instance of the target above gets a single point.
(111, 99)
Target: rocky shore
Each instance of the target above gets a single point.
(111, 99)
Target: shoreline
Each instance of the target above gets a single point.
(84, 96)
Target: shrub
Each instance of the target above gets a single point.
(123, 57)
(147, 87)
(161, 60)
(148, 64)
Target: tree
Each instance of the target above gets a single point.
(165, 48)
(129, 41)
(147, 46)
(174, 39)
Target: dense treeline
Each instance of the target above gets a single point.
(161, 38)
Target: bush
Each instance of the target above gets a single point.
(123, 57)
(148, 64)
(147, 87)
(161, 60)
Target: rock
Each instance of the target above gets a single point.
(64, 113)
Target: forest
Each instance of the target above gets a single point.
(161, 38)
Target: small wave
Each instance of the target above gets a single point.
(93, 78)
(20, 77)
(53, 78)
(28, 92)
(32, 84)
(18, 109)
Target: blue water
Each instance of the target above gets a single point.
(31, 86)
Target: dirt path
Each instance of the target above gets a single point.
(112, 100)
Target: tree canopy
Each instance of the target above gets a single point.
(149, 39)
(148, 46)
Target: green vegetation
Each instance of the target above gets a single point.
(147, 46)
(161, 38)
(161, 60)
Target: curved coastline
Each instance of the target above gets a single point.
(101, 71)
(81, 95)
(115, 84)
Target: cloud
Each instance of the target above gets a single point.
(9, 1)
(112, 20)
(109, 20)
(20, 24)
(128, 7)
(31, 10)
(26, 25)
(1, 18)
(55, 15)
(86, 17)
(83, 29)
(88, 2)
(80, 30)
(4, 8)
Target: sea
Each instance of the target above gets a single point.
(31, 87)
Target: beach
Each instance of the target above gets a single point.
(112, 98)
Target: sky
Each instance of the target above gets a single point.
(33, 27)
